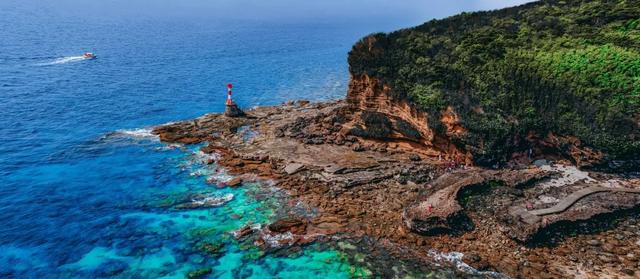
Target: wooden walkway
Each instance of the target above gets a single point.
(531, 217)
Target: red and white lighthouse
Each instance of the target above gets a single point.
(229, 100)
(231, 109)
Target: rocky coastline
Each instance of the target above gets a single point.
(370, 171)
(462, 137)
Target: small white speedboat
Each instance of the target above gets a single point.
(89, 55)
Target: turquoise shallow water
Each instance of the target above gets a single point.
(86, 191)
(124, 223)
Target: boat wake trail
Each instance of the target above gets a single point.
(64, 60)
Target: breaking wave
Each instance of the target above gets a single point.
(213, 200)
(138, 133)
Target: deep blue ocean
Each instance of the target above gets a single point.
(84, 186)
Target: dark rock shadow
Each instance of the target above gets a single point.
(554, 234)
(456, 225)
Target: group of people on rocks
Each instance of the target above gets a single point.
(453, 164)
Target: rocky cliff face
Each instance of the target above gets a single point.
(381, 115)
(504, 86)
(370, 95)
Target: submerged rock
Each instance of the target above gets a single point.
(199, 273)
(111, 268)
(206, 202)
(358, 187)
(211, 248)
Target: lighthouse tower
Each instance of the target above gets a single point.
(229, 100)
(231, 110)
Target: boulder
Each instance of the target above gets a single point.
(244, 231)
(234, 182)
(541, 162)
(111, 268)
(199, 273)
(439, 211)
(293, 168)
(211, 248)
(357, 147)
(232, 110)
(293, 225)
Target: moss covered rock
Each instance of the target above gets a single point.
(199, 273)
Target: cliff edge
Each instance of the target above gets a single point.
(549, 78)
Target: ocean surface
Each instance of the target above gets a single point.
(86, 190)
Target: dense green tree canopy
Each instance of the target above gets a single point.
(569, 67)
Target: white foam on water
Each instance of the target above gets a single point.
(219, 176)
(199, 163)
(259, 226)
(198, 173)
(205, 157)
(141, 133)
(455, 258)
(171, 146)
(253, 227)
(215, 200)
(64, 60)
(277, 239)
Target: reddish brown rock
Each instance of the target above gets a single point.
(295, 226)
(363, 194)
(582, 156)
(438, 209)
(235, 182)
(243, 232)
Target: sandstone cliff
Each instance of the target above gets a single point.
(508, 85)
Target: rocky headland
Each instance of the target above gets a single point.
(419, 156)
(417, 197)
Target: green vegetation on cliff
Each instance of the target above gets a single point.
(567, 67)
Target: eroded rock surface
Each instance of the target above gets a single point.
(570, 198)
(438, 209)
(397, 189)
